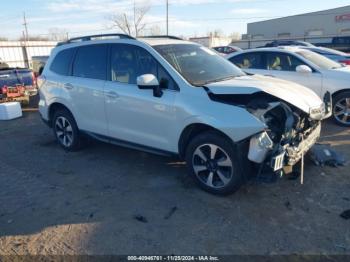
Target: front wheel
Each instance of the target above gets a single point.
(341, 108)
(213, 162)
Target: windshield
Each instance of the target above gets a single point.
(319, 60)
(197, 64)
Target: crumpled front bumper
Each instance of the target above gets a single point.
(287, 155)
(295, 153)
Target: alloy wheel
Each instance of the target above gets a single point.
(64, 131)
(212, 165)
(342, 111)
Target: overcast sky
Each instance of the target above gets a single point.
(187, 17)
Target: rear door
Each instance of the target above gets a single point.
(85, 87)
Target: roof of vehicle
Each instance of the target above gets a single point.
(283, 49)
(151, 40)
(325, 49)
(163, 41)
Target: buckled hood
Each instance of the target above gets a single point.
(290, 92)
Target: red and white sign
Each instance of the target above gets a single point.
(343, 18)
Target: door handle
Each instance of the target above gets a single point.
(270, 75)
(68, 86)
(112, 94)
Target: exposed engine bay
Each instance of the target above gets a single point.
(290, 132)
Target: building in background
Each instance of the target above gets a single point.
(326, 27)
(212, 41)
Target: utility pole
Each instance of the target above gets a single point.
(167, 17)
(25, 26)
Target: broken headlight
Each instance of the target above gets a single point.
(260, 145)
(318, 113)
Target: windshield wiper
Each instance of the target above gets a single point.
(218, 80)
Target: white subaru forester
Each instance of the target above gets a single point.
(169, 96)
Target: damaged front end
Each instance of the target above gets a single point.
(290, 132)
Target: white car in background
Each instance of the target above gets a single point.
(304, 67)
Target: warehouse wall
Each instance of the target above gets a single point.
(326, 22)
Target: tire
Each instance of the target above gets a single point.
(217, 173)
(341, 108)
(66, 130)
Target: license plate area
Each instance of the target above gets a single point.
(277, 162)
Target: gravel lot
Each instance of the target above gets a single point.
(54, 202)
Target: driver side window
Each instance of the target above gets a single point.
(282, 62)
(128, 62)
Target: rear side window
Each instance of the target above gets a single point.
(62, 61)
(249, 61)
(91, 62)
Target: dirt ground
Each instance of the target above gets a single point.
(54, 202)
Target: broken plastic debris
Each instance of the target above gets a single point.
(141, 218)
(324, 155)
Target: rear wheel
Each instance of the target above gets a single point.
(66, 130)
(213, 162)
(341, 108)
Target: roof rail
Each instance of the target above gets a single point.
(161, 36)
(91, 37)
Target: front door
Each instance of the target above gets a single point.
(135, 115)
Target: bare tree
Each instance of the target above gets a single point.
(216, 33)
(131, 23)
(155, 30)
(58, 34)
(33, 38)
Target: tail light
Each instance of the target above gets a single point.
(4, 89)
(21, 89)
(34, 79)
(345, 62)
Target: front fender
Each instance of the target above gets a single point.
(235, 122)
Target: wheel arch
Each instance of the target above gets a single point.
(53, 108)
(340, 91)
(193, 130)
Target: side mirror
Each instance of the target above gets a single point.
(303, 69)
(149, 81)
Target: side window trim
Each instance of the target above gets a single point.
(75, 51)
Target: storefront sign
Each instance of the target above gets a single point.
(343, 18)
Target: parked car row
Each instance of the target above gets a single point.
(173, 97)
(16, 84)
(304, 67)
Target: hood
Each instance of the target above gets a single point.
(297, 95)
(345, 69)
(338, 74)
